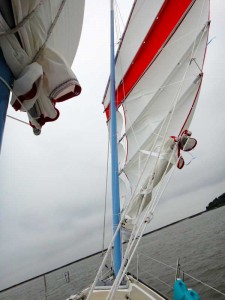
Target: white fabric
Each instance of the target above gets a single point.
(31, 74)
(162, 104)
(50, 74)
(142, 16)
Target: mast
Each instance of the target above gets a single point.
(114, 151)
(5, 72)
(6, 75)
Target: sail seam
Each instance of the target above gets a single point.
(125, 263)
(138, 67)
(23, 22)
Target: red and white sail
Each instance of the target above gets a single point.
(40, 51)
(158, 78)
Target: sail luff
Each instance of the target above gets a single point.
(114, 153)
(166, 22)
(146, 108)
(170, 80)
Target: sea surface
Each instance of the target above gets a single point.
(199, 242)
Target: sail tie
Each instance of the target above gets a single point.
(23, 22)
(185, 143)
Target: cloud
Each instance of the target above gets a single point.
(52, 186)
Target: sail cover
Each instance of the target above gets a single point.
(158, 79)
(40, 51)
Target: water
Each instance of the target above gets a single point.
(199, 242)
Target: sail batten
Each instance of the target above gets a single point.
(159, 101)
(161, 30)
(133, 37)
(158, 83)
(150, 113)
(158, 129)
(39, 57)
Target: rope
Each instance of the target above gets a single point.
(134, 244)
(23, 22)
(151, 206)
(117, 22)
(173, 268)
(145, 272)
(103, 262)
(18, 120)
(149, 212)
(14, 30)
(108, 251)
(125, 262)
(158, 261)
(209, 286)
(176, 99)
(110, 246)
(28, 17)
(10, 88)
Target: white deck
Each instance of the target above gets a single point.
(135, 291)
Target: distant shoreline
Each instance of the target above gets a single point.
(88, 256)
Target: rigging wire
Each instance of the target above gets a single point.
(175, 100)
(187, 274)
(18, 120)
(50, 30)
(36, 124)
(160, 280)
(118, 20)
(23, 21)
(181, 82)
(143, 224)
(39, 52)
(209, 286)
(133, 244)
(105, 257)
(112, 241)
(136, 238)
(125, 263)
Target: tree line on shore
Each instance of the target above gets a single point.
(217, 202)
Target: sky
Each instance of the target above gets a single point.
(52, 186)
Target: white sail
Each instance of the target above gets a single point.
(158, 80)
(158, 76)
(41, 54)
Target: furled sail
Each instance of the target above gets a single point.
(40, 51)
(158, 79)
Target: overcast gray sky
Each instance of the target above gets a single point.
(52, 186)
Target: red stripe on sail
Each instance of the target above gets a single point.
(157, 36)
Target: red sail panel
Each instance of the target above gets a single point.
(164, 25)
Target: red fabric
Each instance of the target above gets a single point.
(180, 163)
(193, 104)
(29, 95)
(161, 30)
(178, 141)
(76, 92)
(42, 120)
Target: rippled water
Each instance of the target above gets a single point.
(198, 241)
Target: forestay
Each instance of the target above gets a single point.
(158, 79)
